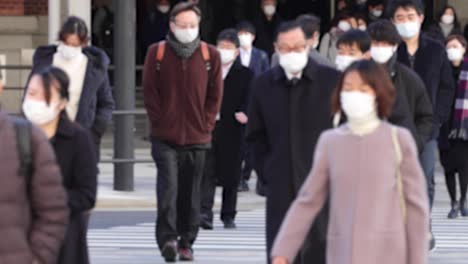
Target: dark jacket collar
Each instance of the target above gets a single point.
(423, 42)
(391, 65)
(309, 71)
(235, 66)
(66, 128)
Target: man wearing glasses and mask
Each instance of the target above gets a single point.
(289, 109)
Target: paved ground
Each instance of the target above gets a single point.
(122, 228)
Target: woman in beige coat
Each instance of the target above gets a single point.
(371, 172)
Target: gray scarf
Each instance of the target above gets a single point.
(446, 29)
(182, 50)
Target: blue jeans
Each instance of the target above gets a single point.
(428, 160)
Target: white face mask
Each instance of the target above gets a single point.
(382, 55)
(164, 8)
(377, 13)
(357, 105)
(294, 62)
(455, 54)
(408, 30)
(227, 55)
(448, 19)
(344, 26)
(68, 52)
(245, 40)
(363, 27)
(38, 112)
(186, 35)
(269, 10)
(343, 61)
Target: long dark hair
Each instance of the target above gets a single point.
(456, 22)
(52, 76)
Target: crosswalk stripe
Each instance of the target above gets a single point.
(246, 244)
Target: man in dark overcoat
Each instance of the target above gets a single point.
(289, 109)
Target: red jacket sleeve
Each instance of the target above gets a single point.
(151, 95)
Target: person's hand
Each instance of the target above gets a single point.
(280, 260)
(241, 118)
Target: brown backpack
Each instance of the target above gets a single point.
(162, 49)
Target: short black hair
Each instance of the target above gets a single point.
(287, 27)
(310, 24)
(184, 7)
(230, 35)
(52, 75)
(74, 25)
(384, 31)
(246, 26)
(394, 5)
(374, 3)
(355, 36)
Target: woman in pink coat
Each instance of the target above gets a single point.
(370, 171)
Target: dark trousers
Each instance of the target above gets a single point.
(248, 163)
(211, 179)
(428, 160)
(454, 162)
(314, 248)
(178, 192)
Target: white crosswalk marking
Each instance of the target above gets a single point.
(136, 244)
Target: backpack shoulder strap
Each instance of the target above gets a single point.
(23, 143)
(161, 51)
(399, 157)
(160, 54)
(206, 55)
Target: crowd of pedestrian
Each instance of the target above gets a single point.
(341, 130)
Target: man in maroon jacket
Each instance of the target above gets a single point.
(182, 92)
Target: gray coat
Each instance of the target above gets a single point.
(366, 224)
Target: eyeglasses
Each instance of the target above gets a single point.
(287, 49)
(186, 26)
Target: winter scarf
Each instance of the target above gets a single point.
(460, 116)
(184, 51)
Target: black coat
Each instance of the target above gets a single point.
(228, 129)
(75, 154)
(266, 32)
(96, 103)
(432, 65)
(413, 108)
(285, 122)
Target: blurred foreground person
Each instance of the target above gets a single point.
(370, 170)
(33, 202)
(45, 106)
(453, 139)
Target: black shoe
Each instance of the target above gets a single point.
(243, 186)
(229, 224)
(169, 251)
(186, 254)
(206, 225)
(432, 242)
(463, 209)
(454, 211)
